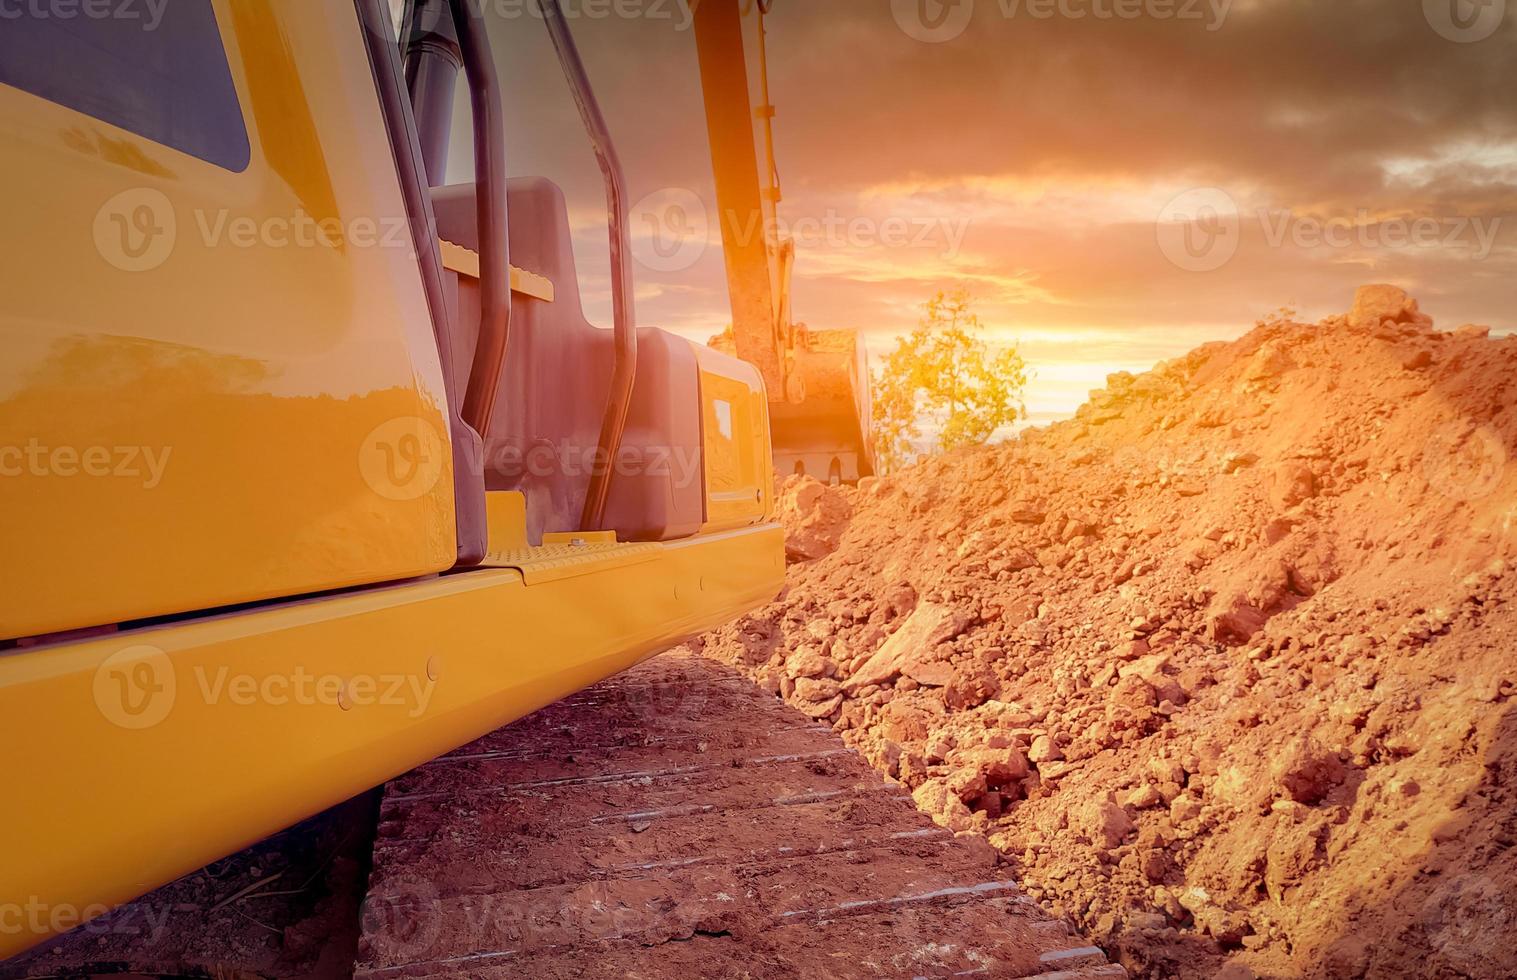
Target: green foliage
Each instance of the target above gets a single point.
(946, 372)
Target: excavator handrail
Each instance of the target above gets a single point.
(624, 316)
(489, 118)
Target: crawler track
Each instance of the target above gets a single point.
(678, 822)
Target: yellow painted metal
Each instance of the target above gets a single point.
(136, 758)
(466, 261)
(739, 468)
(506, 520)
(244, 404)
(818, 381)
(728, 45)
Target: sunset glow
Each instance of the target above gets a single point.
(1031, 160)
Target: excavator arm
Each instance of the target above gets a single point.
(818, 381)
(747, 185)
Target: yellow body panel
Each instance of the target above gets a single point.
(739, 468)
(137, 758)
(249, 402)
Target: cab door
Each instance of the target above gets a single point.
(218, 377)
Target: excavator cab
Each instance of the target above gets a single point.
(289, 427)
(569, 392)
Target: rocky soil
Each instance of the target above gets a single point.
(1224, 666)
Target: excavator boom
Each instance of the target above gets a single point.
(818, 382)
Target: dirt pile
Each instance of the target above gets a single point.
(1223, 666)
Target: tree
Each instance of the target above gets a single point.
(944, 372)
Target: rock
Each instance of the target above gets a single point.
(816, 689)
(768, 680)
(1164, 901)
(997, 767)
(972, 685)
(927, 626)
(1233, 620)
(1018, 559)
(822, 709)
(815, 517)
(1027, 514)
(1166, 770)
(967, 783)
(1471, 331)
(1184, 809)
(1044, 750)
(937, 673)
(1105, 823)
(931, 796)
(1418, 361)
(1269, 361)
(1156, 865)
(1233, 462)
(1305, 772)
(937, 749)
(806, 661)
(1347, 957)
(1226, 927)
(1144, 797)
(947, 810)
(1291, 483)
(1291, 854)
(1375, 304)
(1020, 610)
(1134, 692)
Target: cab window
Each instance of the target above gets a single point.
(156, 69)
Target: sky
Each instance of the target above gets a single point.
(1114, 181)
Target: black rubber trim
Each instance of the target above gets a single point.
(487, 107)
(624, 372)
(467, 449)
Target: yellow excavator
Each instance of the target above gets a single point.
(817, 380)
(311, 467)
